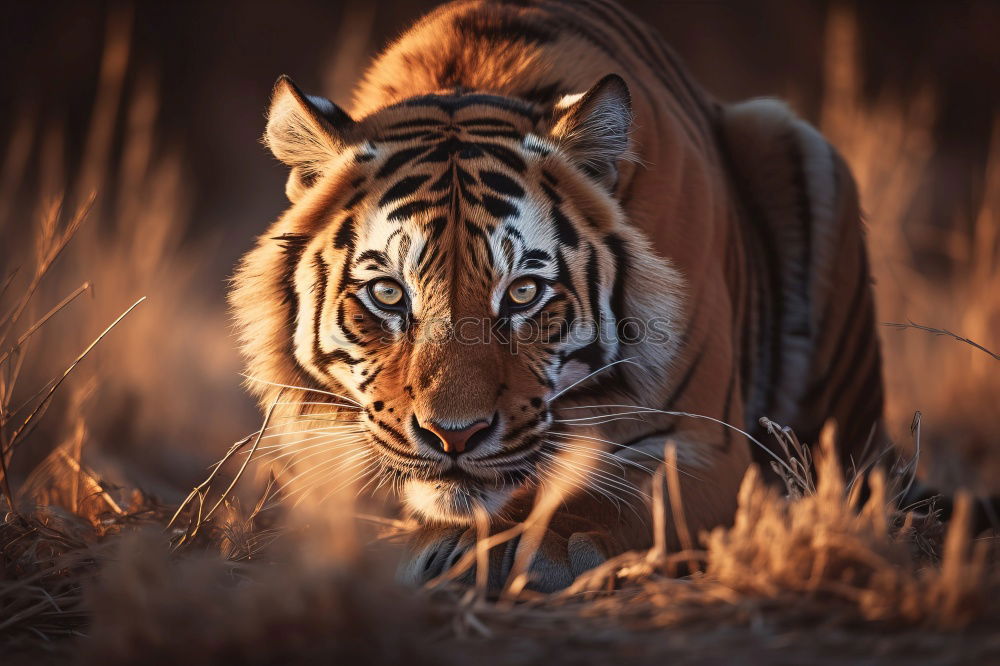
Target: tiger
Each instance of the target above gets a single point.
(535, 254)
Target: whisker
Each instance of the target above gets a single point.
(568, 443)
(326, 468)
(318, 415)
(375, 475)
(609, 418)
(300, 388)
(318, 402)
(310, 469)
(609, 487)
(556, 469)
(325, 476)
(598, 416)
(368, 468)
(659, 461)
(321, 429)
(652, 410)
(622, 482)
(311, 437)
(325, 445)
(291, 425)
(601, 369)
(597, 454)
(584, 479)
(350, 427)
(289, 445)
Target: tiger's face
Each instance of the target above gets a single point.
(451, 265)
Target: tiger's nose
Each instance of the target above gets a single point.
(455, 440)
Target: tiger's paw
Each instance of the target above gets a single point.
(435, 551)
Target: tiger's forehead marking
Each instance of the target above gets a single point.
(447, 185)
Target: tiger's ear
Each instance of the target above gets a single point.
(305, 132)
(593, 127)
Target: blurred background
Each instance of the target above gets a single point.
(159, 107)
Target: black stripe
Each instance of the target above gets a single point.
(344, 238)
(663, 432)
(416, 122)
(565, 230)
(380, 258)
(513, 434)
(866, 350)
(804, 205)
(403, 188)
(539, 254)
(496, 134)
(408, 210)
(848, 332)
(505, 155)
(395, 434)
(293, 246)
(505, 28)
(363, 386)
(406, 455)
(551, 193)
(543, 94)
(323, 274)
(355, 199)
(499, 208)
(594, 286)
(342, 324)
(619, 251)
(485, 122)
(451, 104)
(501, 184)
(563, 275)
(682, 385)
(397, 160)
(476, 232)
(407, 136)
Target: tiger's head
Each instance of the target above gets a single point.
(452, 266)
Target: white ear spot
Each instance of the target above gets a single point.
(569, 100)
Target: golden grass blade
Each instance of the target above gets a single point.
(45, 263)
(942, 332)
(48, 396)
(48, 315)
(253, 449)
(673, 480)
(7, 281)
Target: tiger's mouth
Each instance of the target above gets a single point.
(442, 482)
(458, 487)
(455, 491)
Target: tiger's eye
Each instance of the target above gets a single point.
(522, 291)
(387, 292)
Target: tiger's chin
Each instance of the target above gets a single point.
(454, 502)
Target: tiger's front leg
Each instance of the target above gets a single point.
(433, 550)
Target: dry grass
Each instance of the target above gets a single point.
(889, 145)
(91, 572)
(175, 349)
